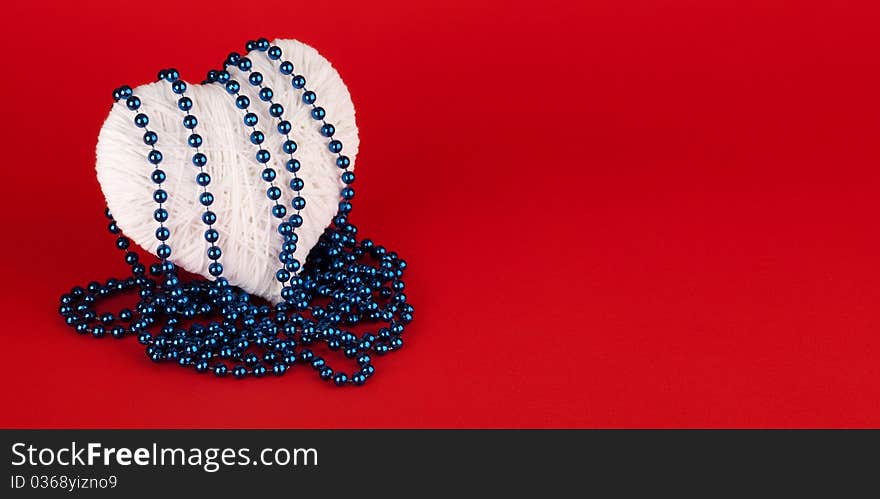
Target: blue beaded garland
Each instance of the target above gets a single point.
(350, 292)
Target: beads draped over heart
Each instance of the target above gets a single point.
(323, 300)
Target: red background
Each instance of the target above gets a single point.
(643, 213)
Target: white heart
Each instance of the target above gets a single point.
(248, 232)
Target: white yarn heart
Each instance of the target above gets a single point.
(248, 232)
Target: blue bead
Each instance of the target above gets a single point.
(209, 217)
(242, 102)
(289, 146)
(172, 75)
(245, 64)
(328, 130)
(250, 45)
(214, 253)
(206, 199)
(184, 103)
(232, 87)
(199, 159)
(347, 193)
(178, 87)
(255, 78)
(340, 379)
(286, 67)
(298, 203)
(273, 193)
(268, 174)
(232, 58)
(133, 103)
(343, 162)
(239, 372)
(266, 94)
(220, 370)
(158, 176)
(274, 53)
(203, 179)
(263, 156)
(309, 97)
(250, 119)
(194, 140)
(296, 184)
(215, 269)
(318, 113)
(211, 235)
(163, 251)
(257, 137)
(284, 127)
(162, 233)
(154, 157)
(325, 373)
(141, 120)
(160, 196)
(292, 165)
(335, 146)
(278, 211)
(262, 44)
(190, 121)
(276, 110)
(150, 138)
(223, 76)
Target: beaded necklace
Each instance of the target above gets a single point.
(345, 282)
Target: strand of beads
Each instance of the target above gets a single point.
(337, 264)
(211, 236)
(355, 292)
(78, 306)
(199, 160)
(287, 276)
(201, 344)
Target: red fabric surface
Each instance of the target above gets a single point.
(616, 214)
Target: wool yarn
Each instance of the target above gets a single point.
(248, 232)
